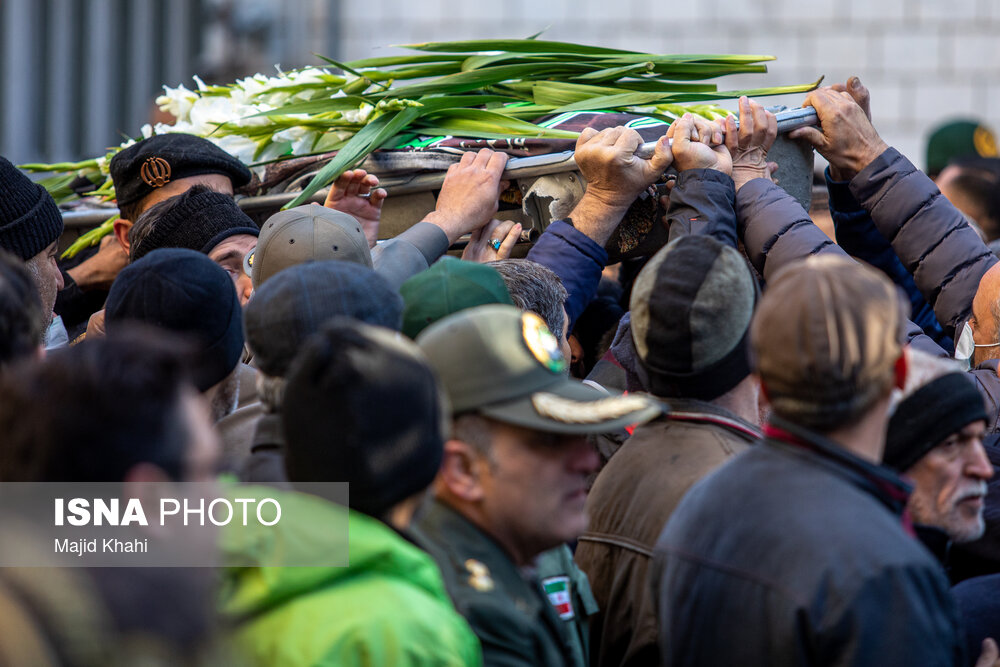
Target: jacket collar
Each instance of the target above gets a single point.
(703, 412)
(881, 482)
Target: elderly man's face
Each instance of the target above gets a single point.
(536, 487)
(950, 484)
(984, 322)
(47, 276)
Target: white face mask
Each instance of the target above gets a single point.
(966, 346)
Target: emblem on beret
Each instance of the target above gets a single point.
(984, 142)
(542, 344)
(155, 172)
(479, 576)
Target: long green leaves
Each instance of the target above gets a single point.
(473, 88)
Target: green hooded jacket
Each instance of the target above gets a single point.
(389, 607)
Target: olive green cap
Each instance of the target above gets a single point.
(957, 139)
(310, 233)
(447, 287)
(504, 364)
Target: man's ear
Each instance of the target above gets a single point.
(121, 228)
(461, 472)
(902, 368)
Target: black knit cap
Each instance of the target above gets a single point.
(199, 222)
(928, 416)
(691, 309)
(29, 218)
(137, 171)
(362, 406)
(185, 292)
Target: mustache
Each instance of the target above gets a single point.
(973, 490)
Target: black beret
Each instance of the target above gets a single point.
(152, 163)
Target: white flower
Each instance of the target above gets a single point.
(239, 147)
(177, 101)
(146, 131)
(359, 115)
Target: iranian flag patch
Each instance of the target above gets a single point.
(557, 590)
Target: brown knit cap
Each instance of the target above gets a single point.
(825, 340)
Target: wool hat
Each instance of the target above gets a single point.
(362, 406)
(306, 234)
(137, 171)
(496, 361)
(825, 340)
(958, 139)
(926, 418)
(183, 291)
(450, 285)
(294, 304)
(199, 221)
(691, 309)
(29, 218)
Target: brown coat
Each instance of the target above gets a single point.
(629, 504)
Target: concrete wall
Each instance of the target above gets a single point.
(923, 60)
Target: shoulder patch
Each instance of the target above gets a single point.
(479, 576)
(557, 591)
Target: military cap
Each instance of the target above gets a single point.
(137, 171)
(447, 287)
(308, 233)
(957, 139)
(506, 365)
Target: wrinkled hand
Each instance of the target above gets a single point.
(857, 90)
(749, 144)
(846, 137)
(615, 175)
(469, 194)
(480, 248)
(698, 144)
(990, 655)
(99, 271)
(346, 196)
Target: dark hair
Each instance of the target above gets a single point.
(130, 212)
(535, 288)
(146, 222)
(90, 413)
(22, 322)
(979, 181)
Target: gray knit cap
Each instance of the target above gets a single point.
(691, 308)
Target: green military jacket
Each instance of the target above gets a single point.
(522, 617)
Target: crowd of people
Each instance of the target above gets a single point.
(760, 444)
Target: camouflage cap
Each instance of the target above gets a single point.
(306, 234)
(506, 365)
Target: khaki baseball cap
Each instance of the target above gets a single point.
(306, 234)
(504, 364)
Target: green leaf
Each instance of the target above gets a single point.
(516, 45)
(348, 102)
(90, 238)
(392, 61)
(478, 120)
(371, 137)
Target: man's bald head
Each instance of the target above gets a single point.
(985, 319)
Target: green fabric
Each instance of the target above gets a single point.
(389, 607)
(554, 565)
(447, 287)
(506, 607)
